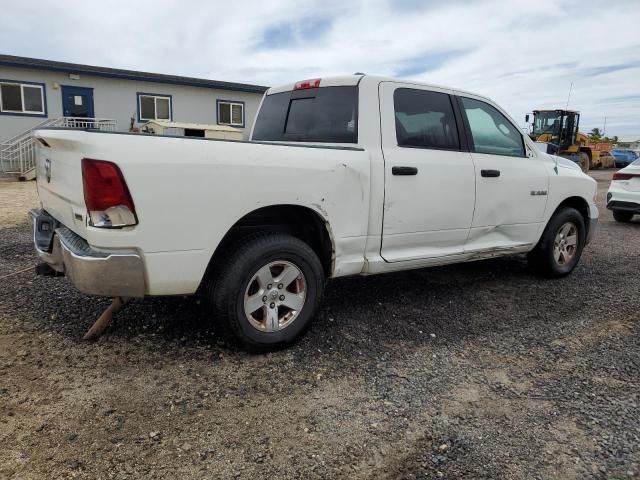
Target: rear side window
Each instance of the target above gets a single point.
(425, 119)
(322, 115)
(491, 131)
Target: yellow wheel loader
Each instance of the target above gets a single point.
(558, 129)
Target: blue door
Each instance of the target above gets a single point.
(77, 102)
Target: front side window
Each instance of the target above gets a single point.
(154, 107)
(21, 98)
(425, 119)
(491, 132)
(231, 113)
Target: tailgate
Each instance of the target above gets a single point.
(59, 177)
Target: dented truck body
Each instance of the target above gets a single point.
(375, 174)
(188, 194)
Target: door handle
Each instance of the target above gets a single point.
(404, 170)
(490, 173)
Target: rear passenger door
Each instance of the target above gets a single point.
(511, 182)
(429, 177)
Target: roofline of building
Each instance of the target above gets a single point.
(40, 64)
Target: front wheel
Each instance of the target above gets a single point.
(561, 244)
(584, 162)
(267, 291)
(622, 216)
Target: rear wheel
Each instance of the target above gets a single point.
(561, 244)
(622, 216)
(267, 291)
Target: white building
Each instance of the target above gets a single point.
(36, 92)
(629, 141)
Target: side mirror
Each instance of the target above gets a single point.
(526, 118)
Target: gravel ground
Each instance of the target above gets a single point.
(470, 371)
(16, 198)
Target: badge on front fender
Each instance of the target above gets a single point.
(47, 170)
(538, 193)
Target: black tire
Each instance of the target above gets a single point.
(622, 216)
(585, 163)
(542, 259)
(229, 282)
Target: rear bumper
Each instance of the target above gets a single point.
(625, 206)
(94, 272)
(619, 198)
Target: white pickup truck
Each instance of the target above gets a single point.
(351, 175)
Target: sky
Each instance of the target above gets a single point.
(525, 55)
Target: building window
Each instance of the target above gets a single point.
(154, 107)
(231, 113)
(22, 98)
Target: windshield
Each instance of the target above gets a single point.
(546, 122)
(323, 115)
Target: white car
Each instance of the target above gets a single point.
(352, 175)
(623, 197)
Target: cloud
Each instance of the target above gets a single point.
(595, 71)
(523, 54)
(427, 62)
(292, 34)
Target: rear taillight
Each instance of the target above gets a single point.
(106, 195)
(305, 84)
(625, 176)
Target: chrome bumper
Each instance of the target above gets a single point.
(92, 271)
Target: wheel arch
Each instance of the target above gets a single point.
(587, 150)
(581, 205)
(300, 221)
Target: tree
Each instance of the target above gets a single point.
(595, 134)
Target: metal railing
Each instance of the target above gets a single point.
(18, 154)
(92, 123)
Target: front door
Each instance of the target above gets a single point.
(511, 181)
(77, 102)
(429, 177)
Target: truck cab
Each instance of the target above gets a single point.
(559, 127)
(559, 130)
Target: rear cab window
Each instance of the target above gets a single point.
(318, 115)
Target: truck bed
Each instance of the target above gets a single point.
(180, 185)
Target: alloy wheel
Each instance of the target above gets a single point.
(275, 296)
(565, 244)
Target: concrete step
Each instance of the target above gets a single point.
(28, 175)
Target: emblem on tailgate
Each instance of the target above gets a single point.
(47, 170)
